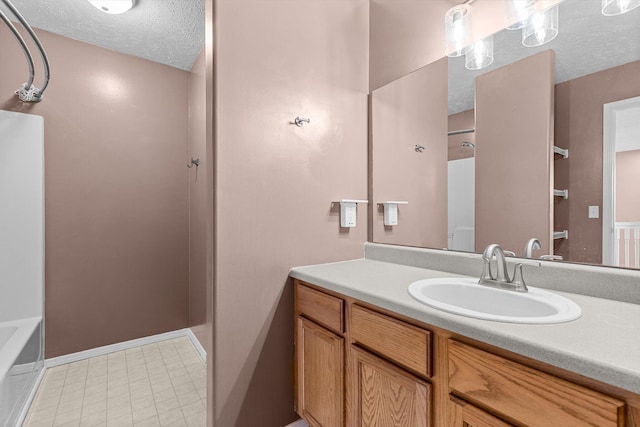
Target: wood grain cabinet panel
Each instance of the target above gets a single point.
(324, 309)
(526, 395)
(463, 414)
(400, 342)
(320, 375)
(380, 394)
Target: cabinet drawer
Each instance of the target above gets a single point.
(531, 397)
(324, 309)
(399, 342)
(381, 394)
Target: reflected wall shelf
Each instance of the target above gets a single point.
(348, 211)
(564, 234)
(561, 193)
(562, 151)
(391, 211)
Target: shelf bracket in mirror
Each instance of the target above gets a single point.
(562, 151)
(564, 234)
(561, 193)
(391, 211)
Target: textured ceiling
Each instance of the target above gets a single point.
(167, 31)
(587, 42)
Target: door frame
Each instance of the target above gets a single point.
(609, 246)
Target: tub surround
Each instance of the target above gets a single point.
(597, 345)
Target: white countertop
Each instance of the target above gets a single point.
(604, 344)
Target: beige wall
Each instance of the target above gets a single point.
(627, 179)
(408, 112)
(579, 121)
(274, 182)
(514, 132)
(198, 201)
(116, 192)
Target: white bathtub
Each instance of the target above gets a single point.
(21, 361)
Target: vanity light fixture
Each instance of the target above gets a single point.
(114, 7)
(541, 27)
(457, 26)
(480, 54)
(517, 13)
(618, 7)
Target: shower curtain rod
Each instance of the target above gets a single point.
(460, 132)
(28, 92)
(24, 46)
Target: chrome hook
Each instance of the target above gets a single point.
(299, 121)
(419, 148)
(194, 162)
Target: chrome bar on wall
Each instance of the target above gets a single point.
(24, 46)
(460, 132)
(28, 92)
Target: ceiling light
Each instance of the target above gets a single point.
(457, 26)
(517, 12)
(618, 7)
(541, 28)
(113, 7)
(480, 54)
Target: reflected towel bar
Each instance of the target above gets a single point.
(460, 132)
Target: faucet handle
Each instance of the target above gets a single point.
(509, 253)
(518, 279)
(551, 257)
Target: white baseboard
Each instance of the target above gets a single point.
(299, 423)
(196, 343)
(32, 395)
(112, 348)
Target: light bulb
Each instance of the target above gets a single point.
(114, 7)
(618, 7)
(541, 28)
(517, 12)
(457, 23)
(480, 54)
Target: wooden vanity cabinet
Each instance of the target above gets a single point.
(386, 359)
(320, 378)
(320, 349)
(526, 395)
(360, 367)
(381, 394)
(463, 414)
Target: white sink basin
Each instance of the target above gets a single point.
(466, 297)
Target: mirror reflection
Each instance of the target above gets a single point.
(537, 152)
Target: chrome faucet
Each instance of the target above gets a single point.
(501, 279)
(531, 245)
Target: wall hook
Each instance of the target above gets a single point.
(194, 162)
(299, 121)
(419, 148)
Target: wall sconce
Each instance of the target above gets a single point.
(457, 26)
(517, 13)
(114, 7)
(480, 54)
(541, 28)
(618, 7)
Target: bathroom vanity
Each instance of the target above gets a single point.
(368, 354)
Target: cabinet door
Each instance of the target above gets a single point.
(320, 361)
(381, 394)
(463, 414)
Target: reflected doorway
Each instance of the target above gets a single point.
(461, 198)
(621, 174)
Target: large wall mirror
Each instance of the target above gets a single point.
(542, 144)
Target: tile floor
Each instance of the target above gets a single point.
(162, 384)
